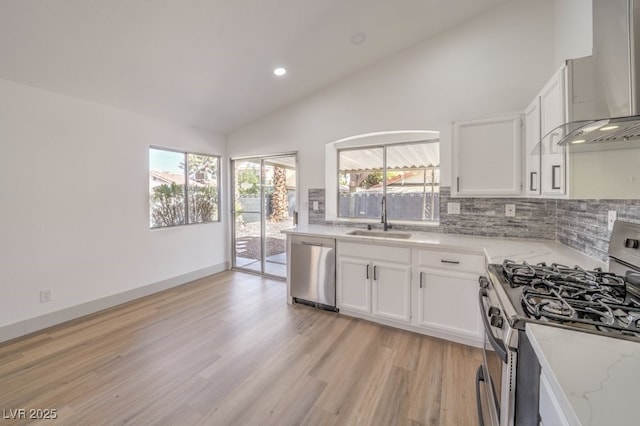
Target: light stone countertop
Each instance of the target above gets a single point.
(595, 378)
(496, 249)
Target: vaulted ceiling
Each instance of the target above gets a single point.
(209, 63)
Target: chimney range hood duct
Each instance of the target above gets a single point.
(616, 61)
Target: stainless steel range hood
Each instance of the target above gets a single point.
(616, 72)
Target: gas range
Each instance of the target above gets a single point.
(570, 297)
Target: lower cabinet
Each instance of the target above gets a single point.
(354, 284)
(550, 410)
(375, 287)
(440, 293)
(430, 292)
(391, 291)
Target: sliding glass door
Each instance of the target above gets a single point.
(264, 191)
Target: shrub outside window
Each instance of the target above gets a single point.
(408, 174)
(183, 188)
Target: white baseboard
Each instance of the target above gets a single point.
(24, 327)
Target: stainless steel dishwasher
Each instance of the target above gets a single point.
(313, 271)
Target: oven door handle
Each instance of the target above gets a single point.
(496, 344)
(479, 378)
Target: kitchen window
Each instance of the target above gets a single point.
(407, 174)
(183, 188)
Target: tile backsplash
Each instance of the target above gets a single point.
(582, 224)
(579, 224)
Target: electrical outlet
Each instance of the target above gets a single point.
(45, 295)
(453, 208)
(510, 210)
(316, 206)
(613, 215)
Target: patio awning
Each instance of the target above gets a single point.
(409, 156)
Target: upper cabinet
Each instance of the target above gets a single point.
(553, 101)
(567, 96)
(532, 147)
(487, 156)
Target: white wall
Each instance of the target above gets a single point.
(74, 203)
(573, 29)
(490, 65)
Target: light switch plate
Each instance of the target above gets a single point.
(453, 208)
(613, 215)
(510, 210)
(316, 206)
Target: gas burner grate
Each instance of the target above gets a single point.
(554, 303)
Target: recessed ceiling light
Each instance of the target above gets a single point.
(280, 71)
(358, 38)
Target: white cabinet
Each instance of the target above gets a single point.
(487, 156)
(567, 96)
(532, 147)
(549, 408)
(374, 280)
(392, 291)
(354, 284)
(553, 113)
(431, 292)
(447, 294)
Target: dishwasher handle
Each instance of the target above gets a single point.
(312, 244)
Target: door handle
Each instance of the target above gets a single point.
(533, 176)
(555, 177)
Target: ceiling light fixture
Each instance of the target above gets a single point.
(579, 141)
(608, 128)
(280, 71)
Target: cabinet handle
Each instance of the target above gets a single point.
(367, 271)
(421, 279)
(533, 177)
(458, 184)
(453, 262)
(375, 273)
(555, 171)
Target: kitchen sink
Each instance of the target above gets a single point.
(380, 234)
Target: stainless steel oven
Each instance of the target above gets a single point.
(513, 294)
(494, 378)
(507, 382)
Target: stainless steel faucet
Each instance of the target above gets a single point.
(385, 224)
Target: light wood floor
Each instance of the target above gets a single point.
(228, 350)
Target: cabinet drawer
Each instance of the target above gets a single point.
(462, 262)
(375, 252)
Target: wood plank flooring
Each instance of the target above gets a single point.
(228, 350)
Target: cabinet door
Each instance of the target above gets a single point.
(449, 301)
(553, 105)
(392, 291)
(550, 409)
(354, 284)
(532, 147)
(487, 156)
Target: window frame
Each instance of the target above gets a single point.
(384, 147)
(186, 155)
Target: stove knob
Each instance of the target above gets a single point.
(497, 321)
(631, 243)
(484, 282)
(493, 311)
